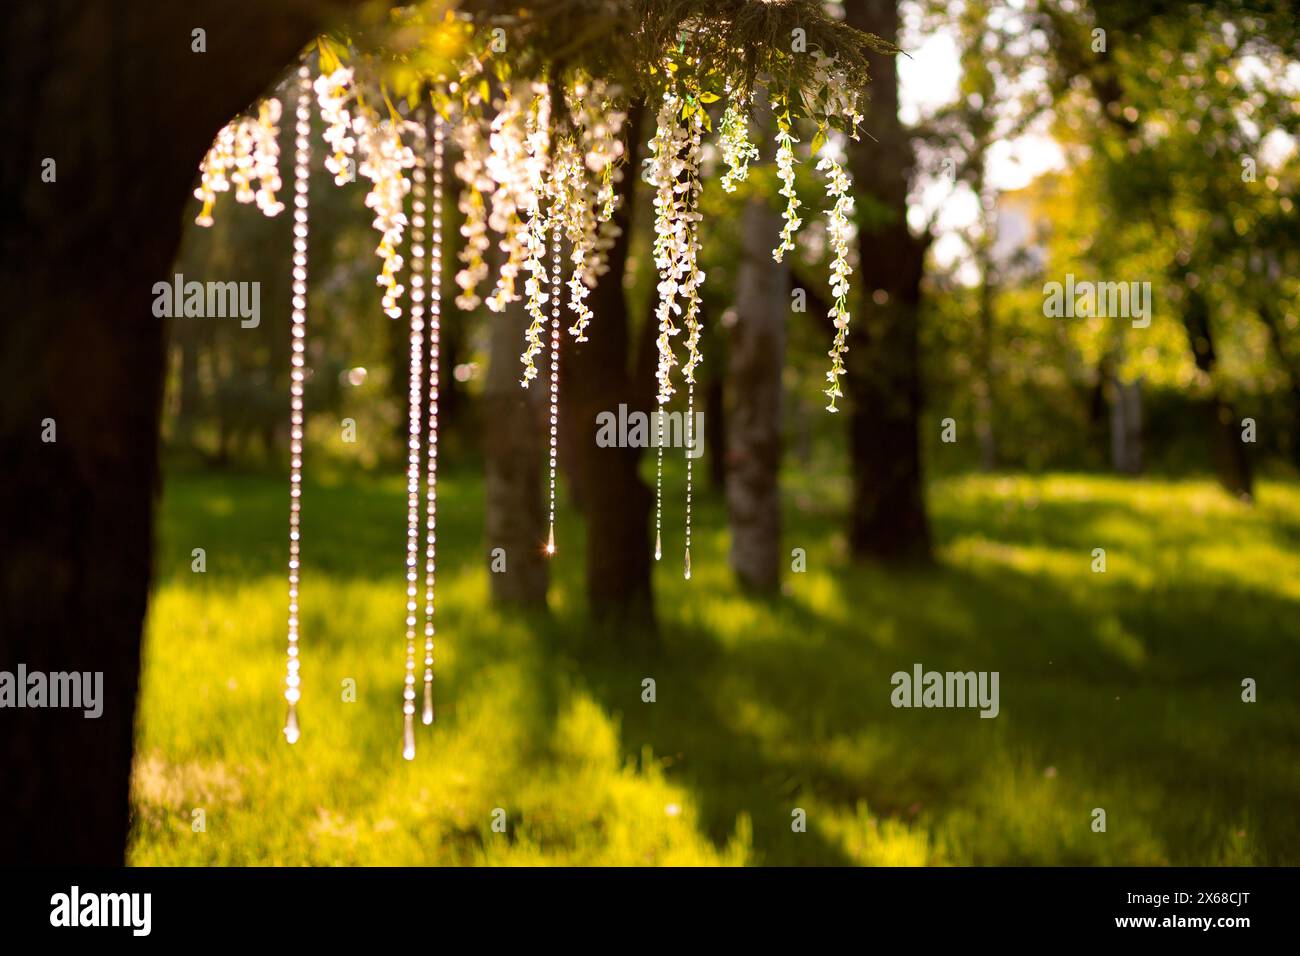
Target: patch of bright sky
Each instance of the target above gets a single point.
(928, 78)
(1276, 147)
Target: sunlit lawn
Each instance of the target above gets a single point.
(1119, 690)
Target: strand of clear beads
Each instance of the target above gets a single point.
(413, 454)
(555, 372)
(298, 327)
(431, 485)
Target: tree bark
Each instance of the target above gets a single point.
(1227, 451)
(756, 359)
(112, 92)
(883, 384)
(1268, 314)
(597, 376)
(514, 452)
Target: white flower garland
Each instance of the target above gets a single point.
(601, 122)
(573, 207)
(333, 92)
(785, 162)
(471, 135)
(246, 149)
(839, 231)
(737, 150)
(384, 159)
(535, 294)
(691, 276)
(663, 167)
(509, 165)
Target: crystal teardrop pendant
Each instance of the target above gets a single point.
(408, 737)
(291, 725)
(690, 427)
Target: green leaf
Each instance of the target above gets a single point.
(329, 61)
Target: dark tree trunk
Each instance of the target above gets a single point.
(597, 376)
(1227, 450)
(451, 344)
(514, 453)
(113, 93)
(756, 360)
(883, 384)
(1268, 314)
(1096, 407)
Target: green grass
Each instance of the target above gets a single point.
(1119, 690)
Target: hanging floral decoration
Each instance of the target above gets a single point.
(840, 230)
(538, 152)
(246, 150)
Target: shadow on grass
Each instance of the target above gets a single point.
(1130, 692)
(1119, 690)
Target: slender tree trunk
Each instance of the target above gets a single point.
(883, 384)
(756, 359)
(597, 376)
(113, 94)
(1126, 426)
(984, 429)
(514, 452)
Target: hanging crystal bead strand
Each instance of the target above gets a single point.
(415, 407)
(690, 445)
(301, 171)
(431, 498)
(659, 482)
(555, 371)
